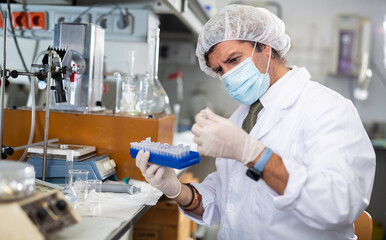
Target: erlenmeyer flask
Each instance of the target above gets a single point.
(160, 102)
(145, 93)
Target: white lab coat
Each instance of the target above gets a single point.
(327, 153)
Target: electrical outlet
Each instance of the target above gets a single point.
(105, 21)
(37, 20)
(127, 22)
(20, 20)
(85, 18)
(61, 17)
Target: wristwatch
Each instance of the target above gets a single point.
(256, 171)
(253, 173)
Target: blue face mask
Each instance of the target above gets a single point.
(245, 83)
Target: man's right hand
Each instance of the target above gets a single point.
(163, 178)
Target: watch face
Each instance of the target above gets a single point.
(253, 173)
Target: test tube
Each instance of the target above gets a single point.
(164, 149)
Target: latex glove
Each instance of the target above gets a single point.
(163, 178)
(220, 137)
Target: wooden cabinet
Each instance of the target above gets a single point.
(110, 134)
(165, 221)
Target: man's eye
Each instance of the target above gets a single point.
(234, 60)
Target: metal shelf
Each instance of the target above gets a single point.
(189, 13)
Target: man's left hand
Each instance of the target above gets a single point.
(220, 137)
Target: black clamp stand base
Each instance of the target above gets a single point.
(6, 151)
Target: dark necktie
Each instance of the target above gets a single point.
(250, 119)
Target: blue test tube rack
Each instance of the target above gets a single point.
(178, 157)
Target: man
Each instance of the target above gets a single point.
(293, 161)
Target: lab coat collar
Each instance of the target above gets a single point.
(284, 92)
(280, 96)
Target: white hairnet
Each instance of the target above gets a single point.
(241, 22)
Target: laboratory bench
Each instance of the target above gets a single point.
(118, 213)
(111, 134)
(109, 221)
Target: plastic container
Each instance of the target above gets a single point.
(172, 162)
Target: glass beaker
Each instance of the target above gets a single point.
(126, 94)
(94, 191)
(78, 182)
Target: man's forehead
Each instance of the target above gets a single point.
(222, 52)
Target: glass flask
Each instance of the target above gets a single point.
(140, 95)
(68, 191)
(160, 100)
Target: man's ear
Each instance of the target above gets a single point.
(266, 50)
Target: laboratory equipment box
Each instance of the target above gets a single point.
(99, 167)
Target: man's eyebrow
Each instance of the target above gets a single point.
(228, 59)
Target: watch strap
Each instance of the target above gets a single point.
(255, 172)
(262, 161)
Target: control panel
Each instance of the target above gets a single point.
(50, 212)
(47, 212)
(105, 166)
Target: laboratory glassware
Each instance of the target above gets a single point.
(78, 181)
(94, 191)
(158, 100)
(69, 191)
(127, 95)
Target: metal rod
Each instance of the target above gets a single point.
(37, 65)
(35, 144)
(46, 122)
(156, 53)
(3, 80)
(26, 74)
